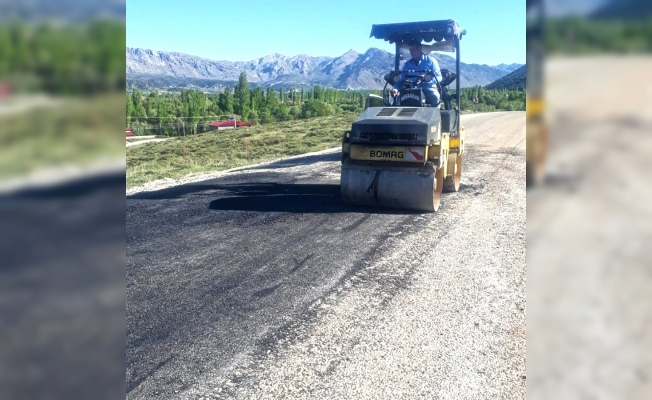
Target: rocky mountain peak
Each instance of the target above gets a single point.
(148, 69)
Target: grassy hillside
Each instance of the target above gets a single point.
(71, 131)
(225, 149)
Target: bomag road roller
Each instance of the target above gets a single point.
(402, 152)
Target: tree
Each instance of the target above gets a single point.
(266, 116)
(295, 112)
(282, 114)
(6, 55)
(130, 109)
(181, 126)
(253, 117)
(212, 105)
(271, 101)
(139, 110)
(152, 108)
(316, 109)
(165, 119)
(241, 96)
(225, 101)
(258, 99)
(136, 98)
(195, 103)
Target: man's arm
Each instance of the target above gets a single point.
(434, 65)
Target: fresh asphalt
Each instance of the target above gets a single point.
(214, 269)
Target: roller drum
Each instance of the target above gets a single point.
(410, 190)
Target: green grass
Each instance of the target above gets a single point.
(225, 149)
(74, 131)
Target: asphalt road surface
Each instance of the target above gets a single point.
(263, 284)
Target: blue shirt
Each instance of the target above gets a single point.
(424, 63)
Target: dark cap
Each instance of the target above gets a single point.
(413, 42)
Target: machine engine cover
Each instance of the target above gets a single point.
(410, 126)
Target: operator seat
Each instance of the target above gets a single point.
(445, 97)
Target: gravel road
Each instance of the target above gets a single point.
(260, 283)
(589, 234)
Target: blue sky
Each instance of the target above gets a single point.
(245, 30)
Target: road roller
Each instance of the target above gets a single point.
(403, 152)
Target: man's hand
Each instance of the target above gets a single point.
(394, 92)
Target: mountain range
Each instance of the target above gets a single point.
(512, 81)
(150, 69)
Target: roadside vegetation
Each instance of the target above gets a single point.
(63, 59)
(190, 111)
(583, 36)
(225, 149)
(70, 131)
(492, 100)
(64, 103)
(285, 124)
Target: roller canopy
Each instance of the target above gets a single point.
(428, 48)
(426, 31)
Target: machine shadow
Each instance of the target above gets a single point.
(292, 198)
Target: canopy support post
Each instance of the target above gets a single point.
(397, 57)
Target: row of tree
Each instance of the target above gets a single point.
(492, 99)
(190, 111)
(65, 58)
(576, 35)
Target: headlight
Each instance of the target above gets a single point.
(428, 77)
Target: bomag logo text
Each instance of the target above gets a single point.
(410, 96)
(386, 154)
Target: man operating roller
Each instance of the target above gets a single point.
(422, 64)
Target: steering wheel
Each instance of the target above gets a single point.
(408, 82)
(425, 76)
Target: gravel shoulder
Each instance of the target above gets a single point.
(299, 296)
(589, 274)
